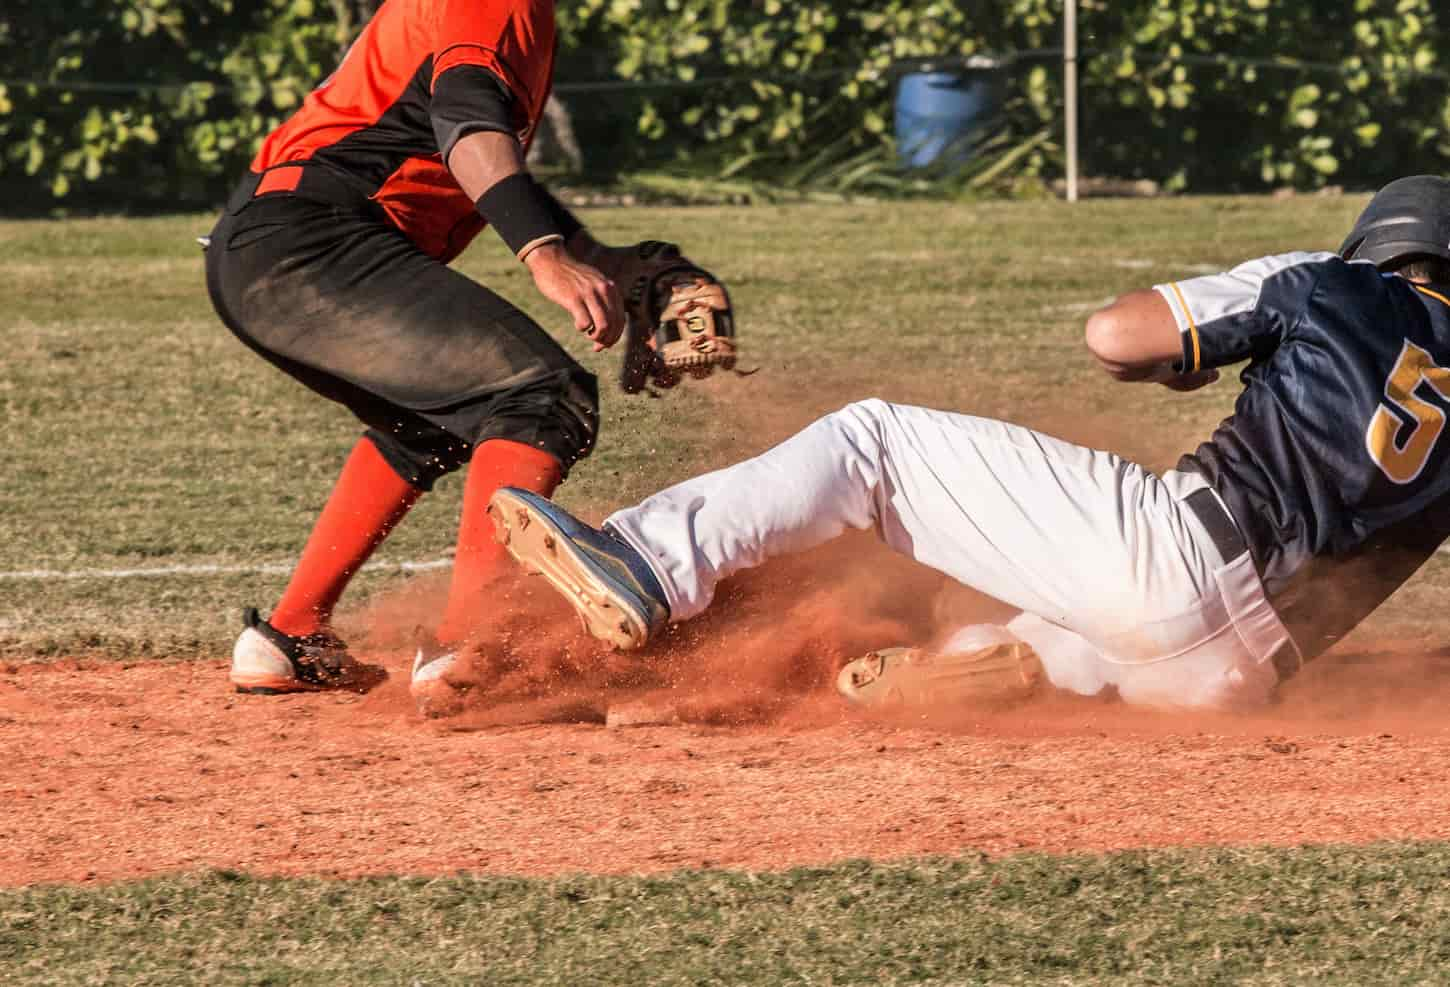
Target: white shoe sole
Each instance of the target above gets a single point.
(260, 668)
(433, 694)
(541, 548)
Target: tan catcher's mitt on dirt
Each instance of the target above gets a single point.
(912, 679)
(680, 321)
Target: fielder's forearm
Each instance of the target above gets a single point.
(483, 159)
(489, 167)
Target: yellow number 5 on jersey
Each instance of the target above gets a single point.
(1403, 461)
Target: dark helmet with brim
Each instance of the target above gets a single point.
(1408, 218)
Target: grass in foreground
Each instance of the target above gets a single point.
(1378, 914)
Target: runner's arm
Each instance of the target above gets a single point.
(1136, 338)
(1244, 313)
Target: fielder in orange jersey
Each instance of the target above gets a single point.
(330, 263)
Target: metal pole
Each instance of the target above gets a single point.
(1069, 66)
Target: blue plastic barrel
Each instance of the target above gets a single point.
(941, 115)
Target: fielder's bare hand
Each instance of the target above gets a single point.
(591, 299)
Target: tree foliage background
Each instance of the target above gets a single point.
(140, 103)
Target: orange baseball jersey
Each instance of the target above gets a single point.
(422, 74)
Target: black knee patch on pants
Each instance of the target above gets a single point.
(558, 414)
(420, 453)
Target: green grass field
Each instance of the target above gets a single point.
(1372, 915)
(140, 436)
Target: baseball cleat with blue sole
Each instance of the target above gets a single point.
(608, 583)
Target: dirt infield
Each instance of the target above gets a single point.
(118, 771)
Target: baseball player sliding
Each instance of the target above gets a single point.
(1204, 587)
(330, 262)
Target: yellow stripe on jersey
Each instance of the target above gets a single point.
(1433, 294)
(1192, 330)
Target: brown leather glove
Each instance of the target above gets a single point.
(680, 319)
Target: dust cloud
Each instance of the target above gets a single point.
(769, 648)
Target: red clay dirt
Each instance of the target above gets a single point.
(115, 771)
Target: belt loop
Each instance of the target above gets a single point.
(245, 191)
(1218, 522)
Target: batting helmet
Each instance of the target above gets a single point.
(1409, 217)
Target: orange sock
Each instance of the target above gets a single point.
(367, 501)
(496, 463)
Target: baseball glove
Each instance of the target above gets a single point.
(680, 320)
(913, 680)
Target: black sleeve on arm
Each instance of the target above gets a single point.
(568, 223)
(468, 99)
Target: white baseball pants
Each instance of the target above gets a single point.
(1119, 583)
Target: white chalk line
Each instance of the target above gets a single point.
(1130, 264)
(277, 569)
(268, 569)
(1138, 264)
(1080, 308)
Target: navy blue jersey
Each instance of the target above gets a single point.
(1334, 462)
